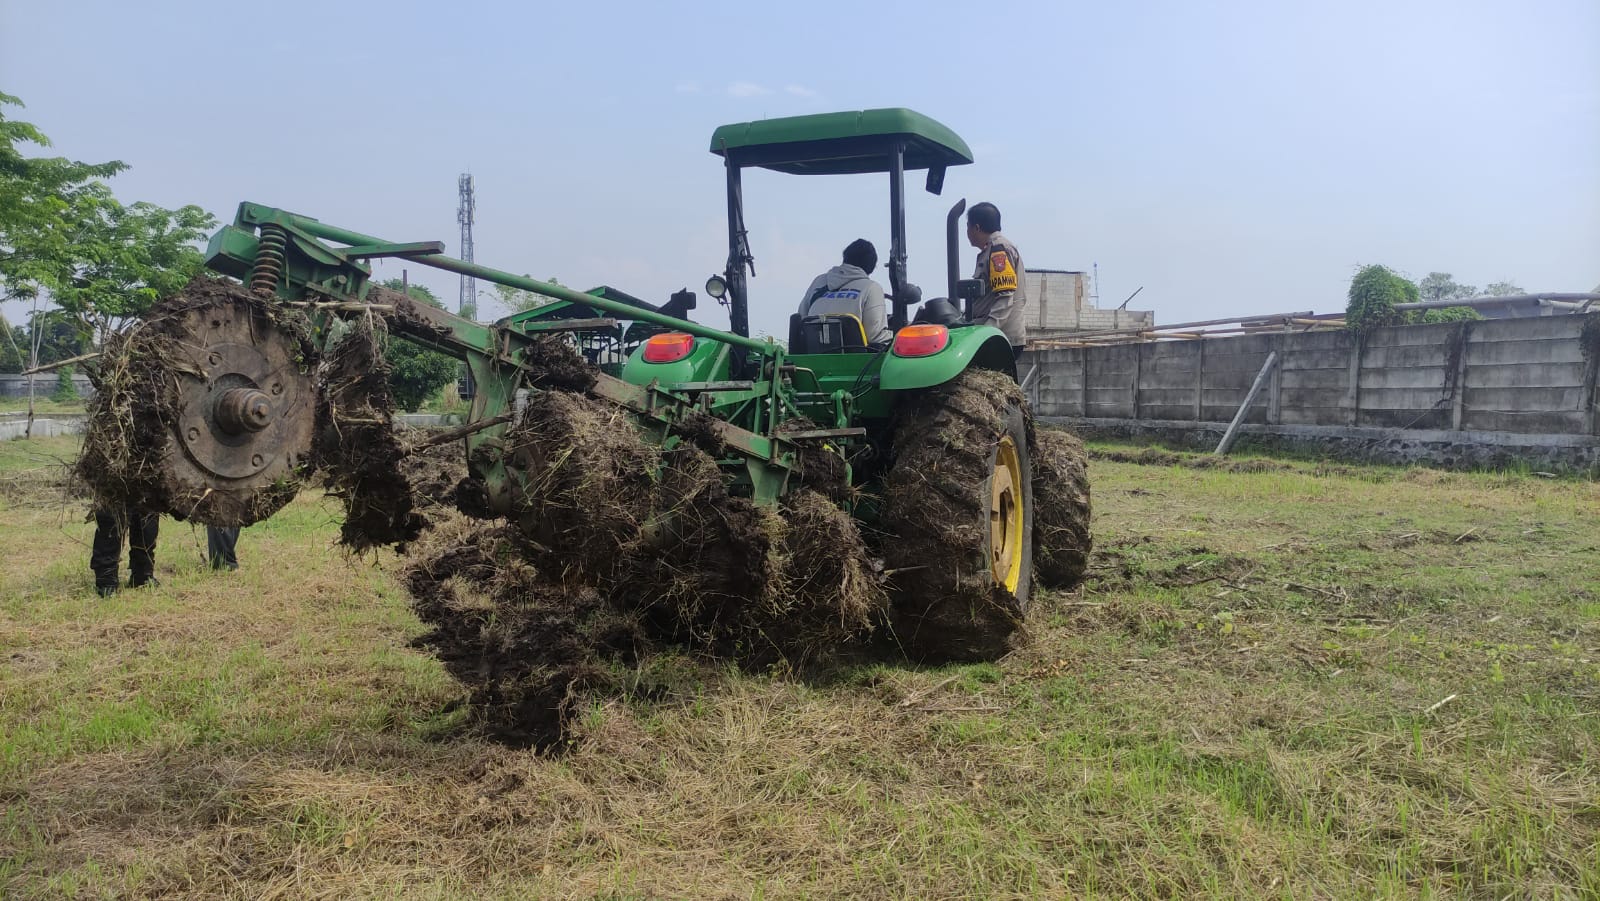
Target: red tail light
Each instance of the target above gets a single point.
(668, 348)
(920, 340)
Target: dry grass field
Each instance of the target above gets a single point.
(1283, 680)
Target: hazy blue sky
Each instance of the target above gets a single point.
(1230, 157)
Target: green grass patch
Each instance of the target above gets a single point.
(1282, 679)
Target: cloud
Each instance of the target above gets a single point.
(747, 89)
(796, 90)
(687, 87)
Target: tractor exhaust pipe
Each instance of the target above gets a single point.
(952, 265)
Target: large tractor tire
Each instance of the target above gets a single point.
(1061, 538)
(958, 513)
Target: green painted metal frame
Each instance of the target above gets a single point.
(327, 278)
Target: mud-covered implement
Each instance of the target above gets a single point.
(660, 464)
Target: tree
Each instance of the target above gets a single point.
(518, 300)
(1442, 286)
(62, 232)
(13, 348)
(1503, 289)
(54, 335)
(414, 373)
(40, 199)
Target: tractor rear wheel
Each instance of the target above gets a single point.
(958, 510)
(1061, 536)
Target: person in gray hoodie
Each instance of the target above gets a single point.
(848, 288)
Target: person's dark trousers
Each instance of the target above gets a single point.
(107, 549)
(220, 544)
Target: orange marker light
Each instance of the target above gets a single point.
(668, 348)
(921, 340)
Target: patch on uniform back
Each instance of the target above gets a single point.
(1002, 274)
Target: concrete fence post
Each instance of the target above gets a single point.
(1083, 386)
(1275, 387)
(1138, 366)
(1200, 381)
(1458, 376)
(1352, 397)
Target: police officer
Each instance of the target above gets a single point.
(1001, 273)
(848, 288)
(107, 549)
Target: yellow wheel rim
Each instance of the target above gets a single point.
(1005, 517)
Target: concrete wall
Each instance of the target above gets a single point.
(44, 384)
(1523, 377)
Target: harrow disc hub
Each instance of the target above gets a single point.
(245, 409)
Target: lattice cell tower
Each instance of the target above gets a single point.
(467, 306)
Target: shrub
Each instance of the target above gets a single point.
(66, 389)
(1373, 294)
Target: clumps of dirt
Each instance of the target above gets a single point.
(946, 605)
(1061, 538)
(822, 467)
(132, 458)
(555, 365)
(617, 551)
(1137, 561)
(437, 474)
(527, 647)
(832, 593)
(1151, 456)
(588, 478)
(361, 458)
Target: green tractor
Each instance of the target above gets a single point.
(926, 443)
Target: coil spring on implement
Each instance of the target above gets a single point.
(269, 259)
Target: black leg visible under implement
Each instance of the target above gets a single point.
(106, 552)
(142, 548)
(220, 545)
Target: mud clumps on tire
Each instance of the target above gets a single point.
(361, 458)
(1061, 538)
(131, 457)
(946, 605)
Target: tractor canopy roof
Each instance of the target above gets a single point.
(841, 143)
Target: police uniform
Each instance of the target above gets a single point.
(847, 289)
(1004, 293)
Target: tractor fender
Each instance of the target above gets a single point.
(707, 362)
(978, 346)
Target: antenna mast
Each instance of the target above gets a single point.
(466, 212)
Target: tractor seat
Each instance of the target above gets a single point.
(829, 333)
